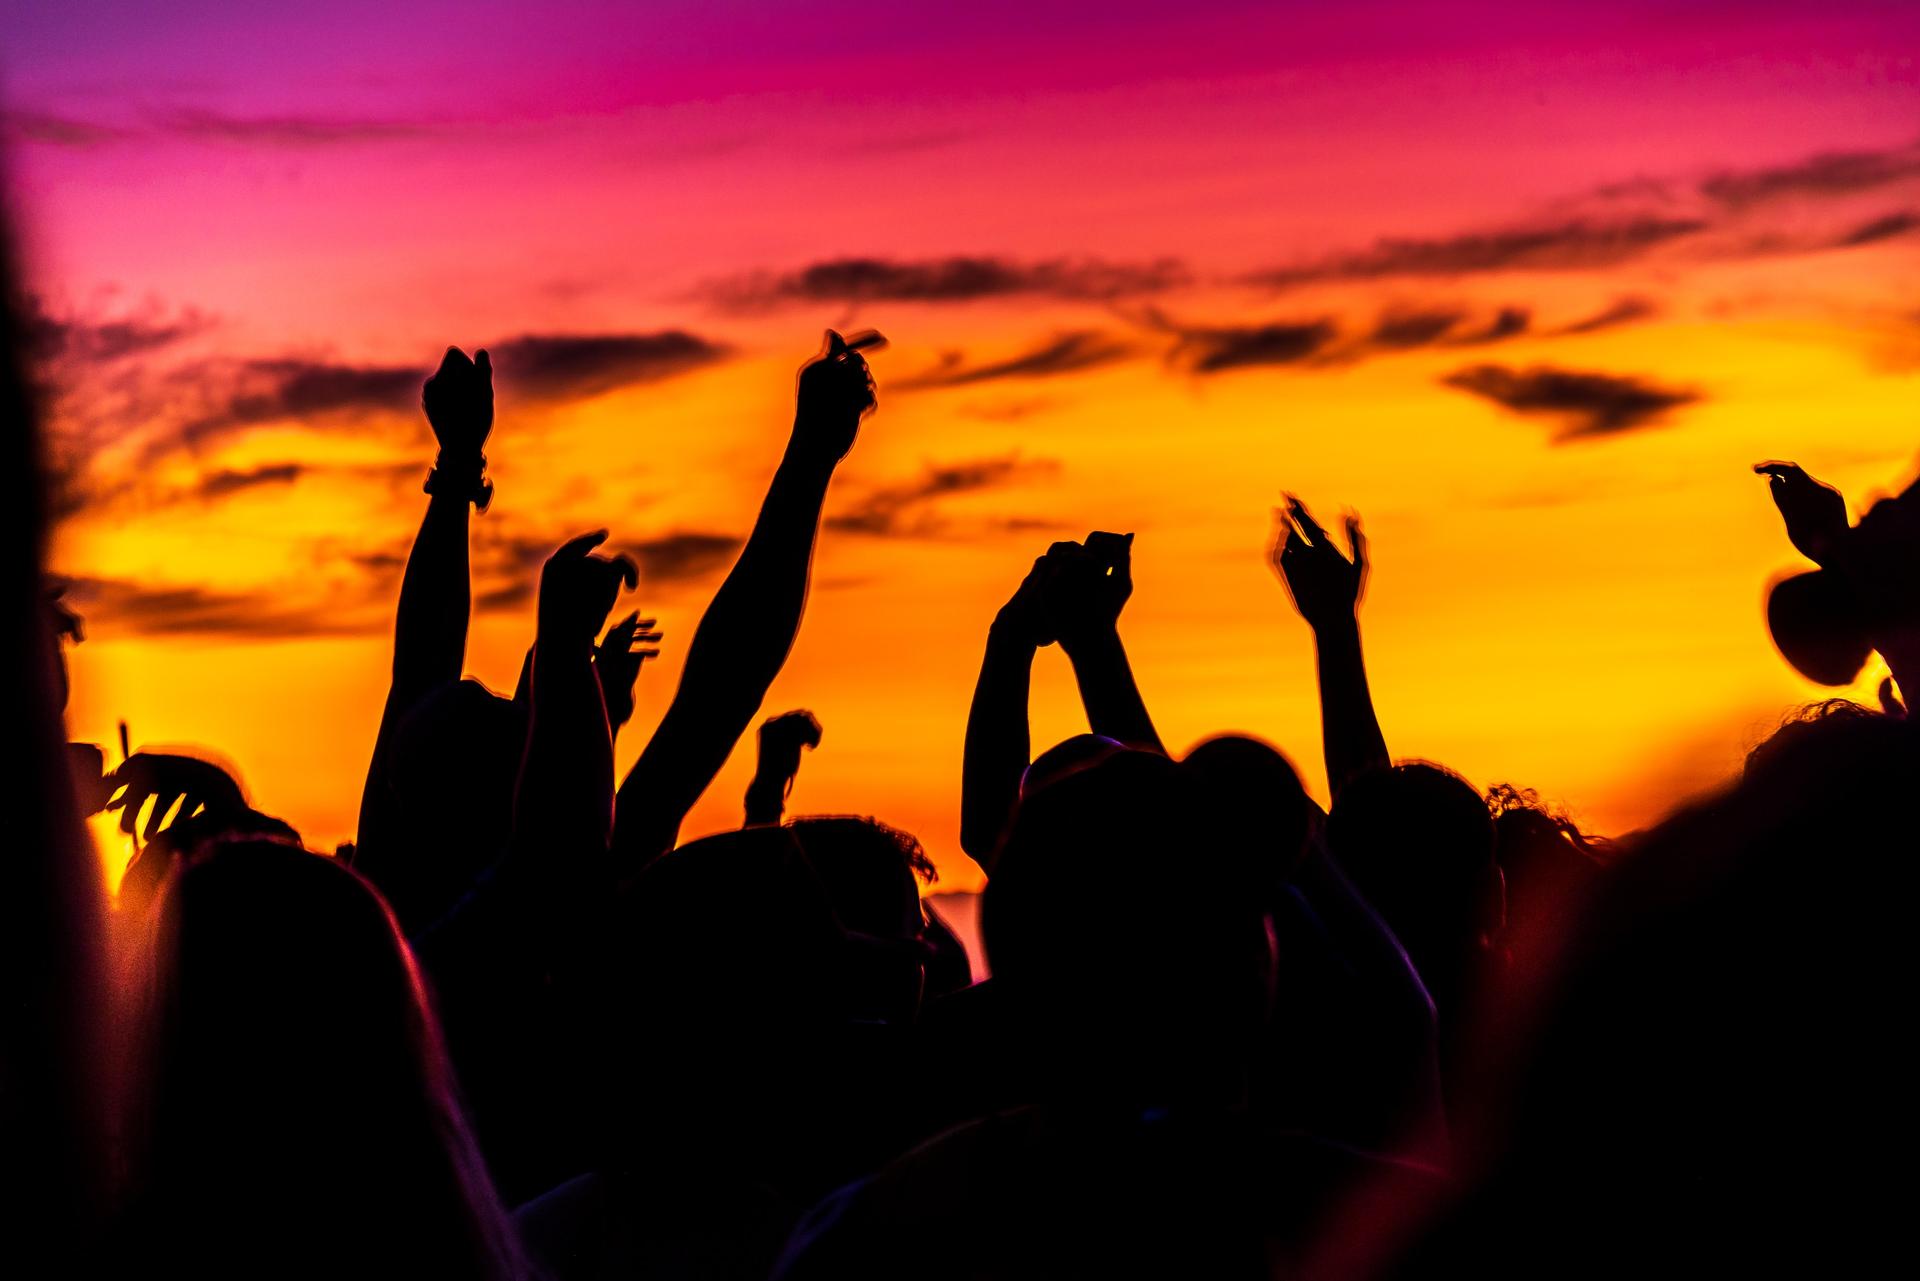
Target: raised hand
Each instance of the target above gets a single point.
(836, 392)
(1024, 616)
(167, 778)
(1326, 587)
(459, 403)
(1815, 512)
(578, 589)
(1085, 586)
(618, 660)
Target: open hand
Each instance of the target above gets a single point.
(458, 399)
(578, 589)
(1326, 587)
(1815, 512)
(617, 663)
(168, 779)
(836, 392)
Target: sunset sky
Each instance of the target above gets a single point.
(1529, 287)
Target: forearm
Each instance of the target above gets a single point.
(737, 651)
(998, 744)
(766, 801)
(430, 626)
(563, 803)
(1109, 693)
(1350, 731)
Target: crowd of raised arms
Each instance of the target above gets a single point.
(518, 1029)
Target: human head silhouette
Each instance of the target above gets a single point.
(1123, 906)
(452, 772)
(1417, 841)
(297, 1112)
(1818, 627)
(1259, 795)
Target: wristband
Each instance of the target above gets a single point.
(467, 480)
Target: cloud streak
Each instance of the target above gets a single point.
(909, 509)
(121, 605)
(955, 279)
(575, 366)
(1590, 404)
(1574, 245)
(1064, 354)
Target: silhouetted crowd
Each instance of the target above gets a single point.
(518, 1029)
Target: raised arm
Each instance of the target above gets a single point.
(563, 804)
(781, 739)
(999, 746)
(744, 638)
(430, 626)
(1326, 588)
(1085, 592)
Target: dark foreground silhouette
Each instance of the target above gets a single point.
(1426, 1032)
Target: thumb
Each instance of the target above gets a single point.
(836, 345)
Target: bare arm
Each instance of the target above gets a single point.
(1326, 588)
(743, 640)
(430, 626)
(1085, 594)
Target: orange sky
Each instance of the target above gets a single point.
(1265, 257)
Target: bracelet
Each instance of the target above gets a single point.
(468, 480)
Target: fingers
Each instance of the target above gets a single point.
(577, 548)
(484, 363)
(1304, 518)
(1777, 470)
(453, 360)
(1357, 542)
(629, 571)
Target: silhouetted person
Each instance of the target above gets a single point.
(1415, 839)
(53, 1151)
(436, 807)
(1073, 595)
(1139, 1155)
(756, 1051)
(1549, 868)
(296, 1116)
(1721, 1076)
(1866, 594)
(514, 963)
(1351, 1054)
(746, 633)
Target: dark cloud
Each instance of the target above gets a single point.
(682, 557)
(283, 131)
(948, 280)
(908, 510)
(1591, 404)
(1508, 322)
(567, 366)
(1212, 349)
(1064, 354)
(52, 130)
(1883, 228)
(221, 484)
(119, 605)
(265, 391)
(1830, 174)
(1398, 331)
(1574, 245)
(1622, 311)
(59, 341)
